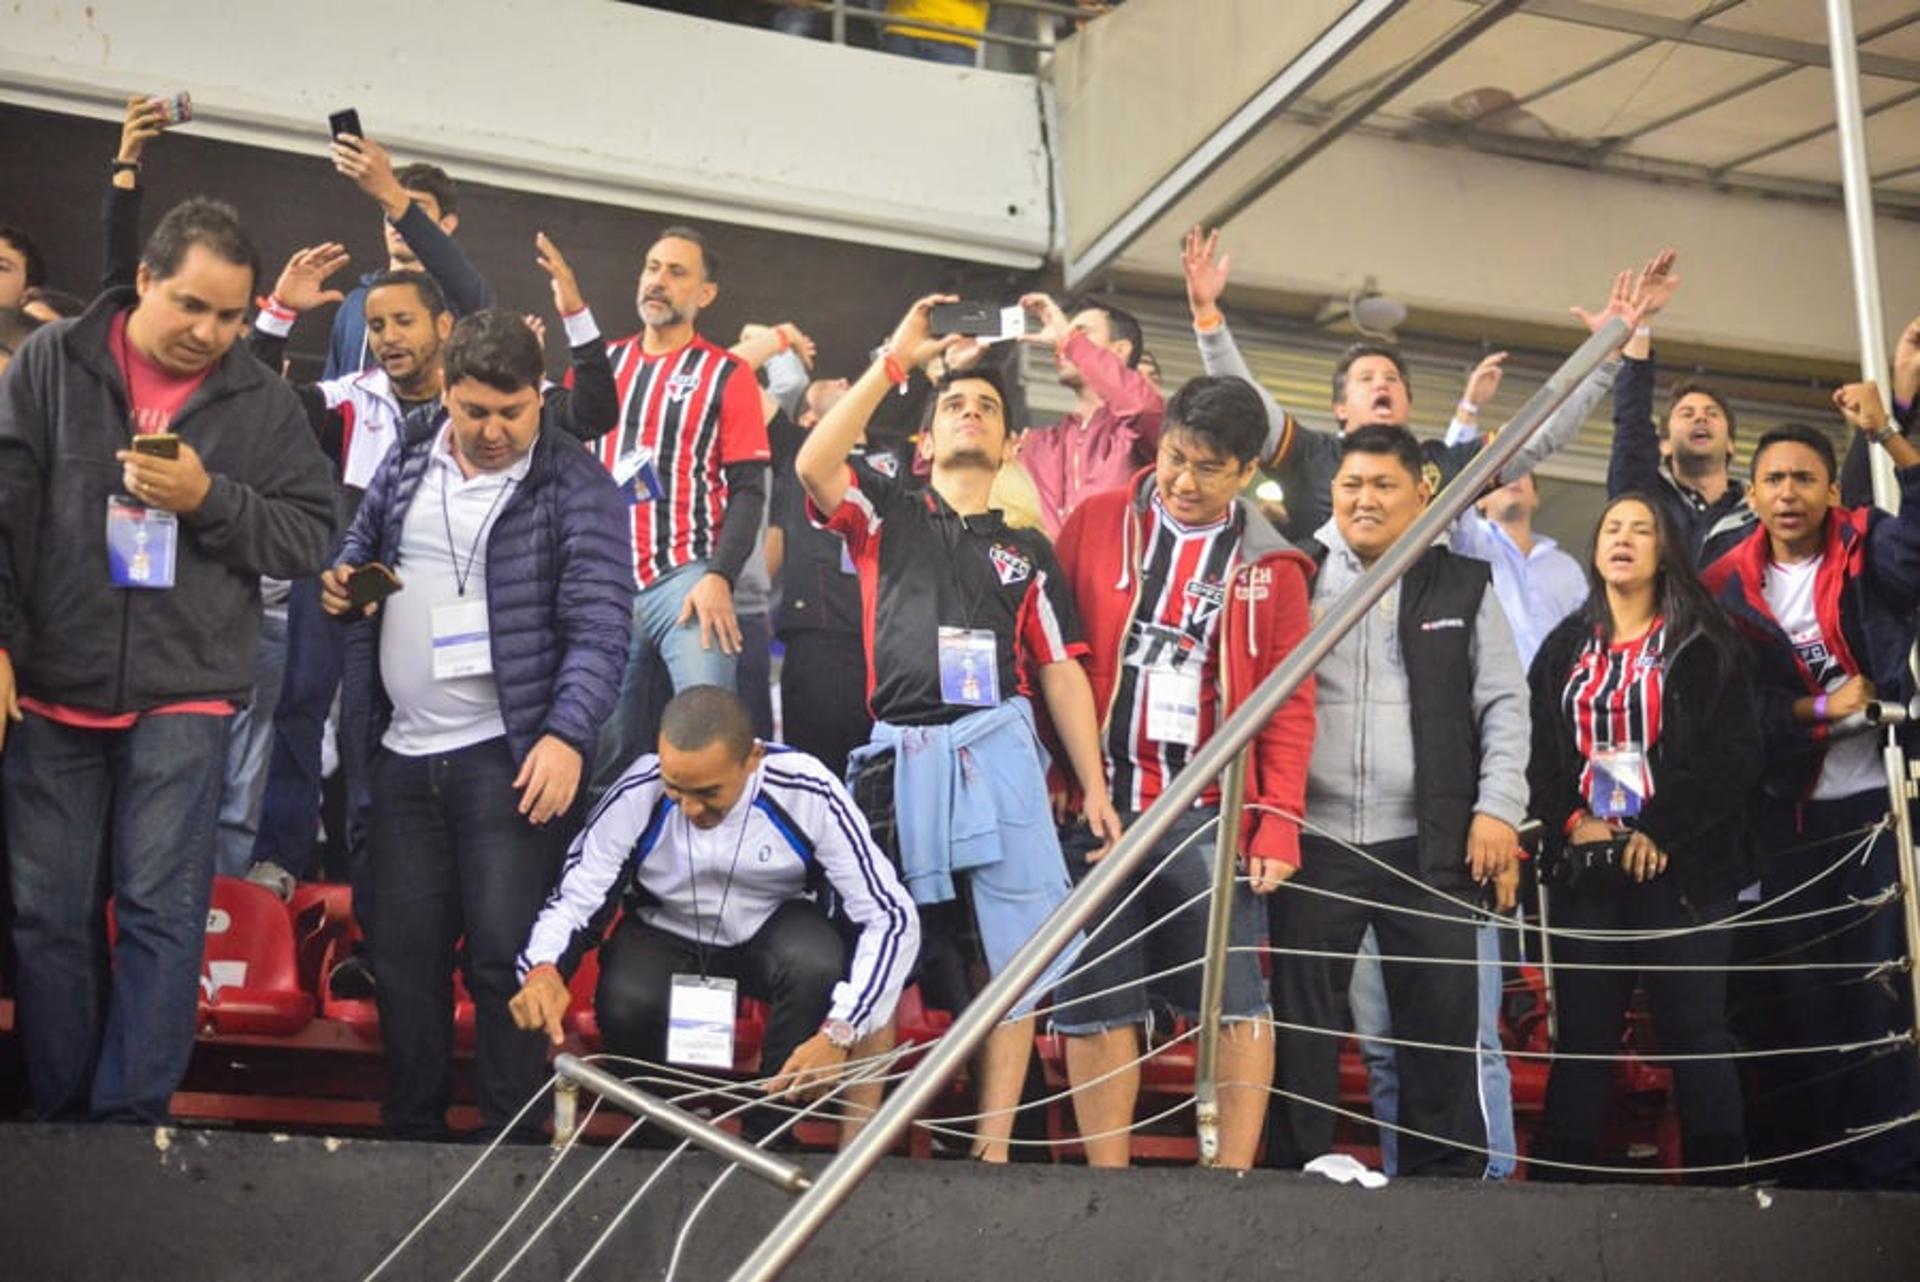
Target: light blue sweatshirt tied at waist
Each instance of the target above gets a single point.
(971, 796)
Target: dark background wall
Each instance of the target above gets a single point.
(53, 171)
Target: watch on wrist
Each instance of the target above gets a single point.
(839, 1034)
(117, 165)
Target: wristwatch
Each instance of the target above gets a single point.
(839, 1033)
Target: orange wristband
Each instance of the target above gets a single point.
(786, 343)
(896, 372)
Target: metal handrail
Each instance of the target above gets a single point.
(984, 1013)
(777, 1171)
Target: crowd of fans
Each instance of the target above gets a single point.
(532, 621)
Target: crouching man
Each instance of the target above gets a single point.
(722, 845)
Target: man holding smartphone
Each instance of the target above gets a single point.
(129, 606)
(965, 621)
(496, 661)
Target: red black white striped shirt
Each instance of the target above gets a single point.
(1612, 697)
(696, 410)
(1183, 585)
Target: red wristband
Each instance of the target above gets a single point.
(786, 343)
(1574, 820)
(896, 372)
(278, 310)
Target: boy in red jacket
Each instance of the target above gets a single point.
(1189, 598)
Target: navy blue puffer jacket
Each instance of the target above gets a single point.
(559, 586)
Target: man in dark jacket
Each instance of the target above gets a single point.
(1826, 595)
(497, 660)
(149, 475)
(1685, 465)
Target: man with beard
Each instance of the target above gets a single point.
(691, 451)
(1685, 465)
(421, 213)
(1115, 425)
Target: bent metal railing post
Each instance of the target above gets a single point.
(972, 1026)
(1213, 979)
(776, 1171)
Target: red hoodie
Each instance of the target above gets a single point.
(1266, 615)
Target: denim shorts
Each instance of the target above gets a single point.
(1084, 1004)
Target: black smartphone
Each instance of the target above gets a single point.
(158, 444)
(975, 319)
(370, 583)
(344, 122)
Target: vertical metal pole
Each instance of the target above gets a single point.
(1858, 185)
(1213, 979)
(1901, 790)
(839, 22)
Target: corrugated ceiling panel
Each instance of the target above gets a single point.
(1806, 20)
(1751, 121)
(1893, 142)
(1520, 55)
(1649, 86)
(1904, 43)
(1397, 40)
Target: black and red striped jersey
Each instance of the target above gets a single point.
(694, 410)
(1184, 573)
(1612, 697)
(923, 569)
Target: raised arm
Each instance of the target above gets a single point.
(120, 216)
(368, 165)
(822, 461)
(587, 406)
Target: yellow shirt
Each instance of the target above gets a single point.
(971, 14)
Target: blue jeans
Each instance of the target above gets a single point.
(249, 741)
(290, 807)
(1367, 995)
(452, 856)
(127, 813)
(658, 637)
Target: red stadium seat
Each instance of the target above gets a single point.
(249, 982)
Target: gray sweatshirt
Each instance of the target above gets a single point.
(1360, 779)
(1312, 456)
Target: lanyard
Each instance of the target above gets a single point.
(951, 531)
(461, 576)
(703, 942)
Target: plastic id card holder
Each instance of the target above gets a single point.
(1173, 705)
(969, 667)
(700, 1015)
(637, 478)
(142, 543)
(461, 647)
(1620, 784)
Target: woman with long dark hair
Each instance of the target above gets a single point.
(1646, 747)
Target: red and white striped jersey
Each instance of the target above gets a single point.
(1612, 696)
(695, 410)
(1183, 585)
